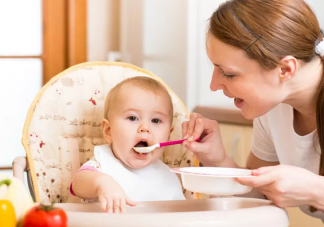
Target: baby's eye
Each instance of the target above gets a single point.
(132, 118)
(156, 120)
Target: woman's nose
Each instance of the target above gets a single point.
(215, 83)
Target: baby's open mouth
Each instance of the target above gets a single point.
(141, 144)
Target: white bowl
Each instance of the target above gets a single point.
(213, 180)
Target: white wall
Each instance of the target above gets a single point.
(206, 97)
(102, 28)
(166, 37)
(132, 31)
(318, 8)
(165, 42)
(21, 79)
(153, 36)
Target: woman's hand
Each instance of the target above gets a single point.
(112, 197)
(209, 150)
(287, 186)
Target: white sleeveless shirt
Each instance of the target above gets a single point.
(153, 183)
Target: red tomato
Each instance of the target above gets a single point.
(45, 216)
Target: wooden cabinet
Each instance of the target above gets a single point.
(298, 219)
(237, 141)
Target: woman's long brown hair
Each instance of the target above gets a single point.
(269, 30)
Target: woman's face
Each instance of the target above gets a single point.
(255, 90)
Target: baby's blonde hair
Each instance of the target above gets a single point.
(146, 83)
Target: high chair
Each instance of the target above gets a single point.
(64, 124)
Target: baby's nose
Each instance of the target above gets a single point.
(143, 129)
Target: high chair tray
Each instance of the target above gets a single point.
(230, 212)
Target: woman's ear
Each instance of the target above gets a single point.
(106, 130)
(288, 69)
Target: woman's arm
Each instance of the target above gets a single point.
(254, 162)
(317, 190)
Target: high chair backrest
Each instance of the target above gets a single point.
(64, 124)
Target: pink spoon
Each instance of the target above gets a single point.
(151, 148)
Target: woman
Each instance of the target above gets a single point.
(268, 55)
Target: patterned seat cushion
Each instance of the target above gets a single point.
(64, 124)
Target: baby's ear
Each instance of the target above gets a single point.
(106, 130)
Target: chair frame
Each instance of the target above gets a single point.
(19, 166)
(22, 164)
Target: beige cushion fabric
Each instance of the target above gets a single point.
(64, 124)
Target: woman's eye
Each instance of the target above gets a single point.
(132, 118)
(156, 120)
(228, 76)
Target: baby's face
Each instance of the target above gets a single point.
(138, 118)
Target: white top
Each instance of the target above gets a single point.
(274, 139)
(153, 183)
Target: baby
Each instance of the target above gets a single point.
(138, 112)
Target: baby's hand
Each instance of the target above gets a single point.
(112, 197)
